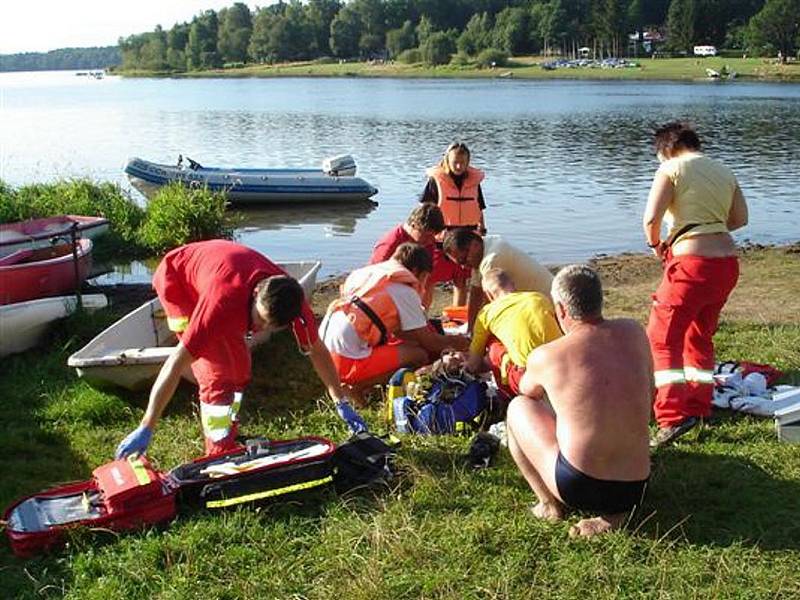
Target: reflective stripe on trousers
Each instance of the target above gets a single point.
(687, 374)
(218, 419)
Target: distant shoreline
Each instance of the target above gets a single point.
(647, 69)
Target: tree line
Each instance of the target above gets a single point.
(62, 59)
(440, 31)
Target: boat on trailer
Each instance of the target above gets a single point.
(131, 351)
(334, 182)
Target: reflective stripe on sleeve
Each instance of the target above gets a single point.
(699, 375)
(669, 376)
(177, 324)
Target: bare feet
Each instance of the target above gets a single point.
(548, 511)
(597, 525)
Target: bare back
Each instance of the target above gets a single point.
(599, 380)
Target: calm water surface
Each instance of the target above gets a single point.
(568, 164)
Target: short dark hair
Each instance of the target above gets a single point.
(414, 258)
(579, 289)
(283, 298)
(459, 240)
(427, 217)
(677, 135)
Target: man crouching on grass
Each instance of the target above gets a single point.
(587, 449)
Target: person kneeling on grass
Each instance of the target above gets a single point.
(511, 325)
(587, 449)
(378, 324)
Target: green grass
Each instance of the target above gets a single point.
(720, 519)
(174, 216)
(523, 67)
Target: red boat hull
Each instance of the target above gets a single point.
(30, 274)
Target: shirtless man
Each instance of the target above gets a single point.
(588, 448)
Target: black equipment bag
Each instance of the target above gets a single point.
(261, 470)
(363, 460)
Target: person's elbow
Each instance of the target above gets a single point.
(737, 221)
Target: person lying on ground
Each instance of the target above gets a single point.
(493, 252)
(378, 324)
(421, 227)
(587, 449)
(512, 324)
(214, 294)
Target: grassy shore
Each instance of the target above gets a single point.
(720, 520)
(522, 67)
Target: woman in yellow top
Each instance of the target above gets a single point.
(700, 202)
(455, 186)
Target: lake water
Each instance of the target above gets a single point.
(568, 164)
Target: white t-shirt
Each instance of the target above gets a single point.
(339, 335)
(527, 274)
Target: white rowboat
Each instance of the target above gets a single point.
(23, 324)
(131, 351)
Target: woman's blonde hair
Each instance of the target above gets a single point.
(459, 147)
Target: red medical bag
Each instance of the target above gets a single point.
(123, 494)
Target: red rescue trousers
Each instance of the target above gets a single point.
(683, 320)
(507, 375)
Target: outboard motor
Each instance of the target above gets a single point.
(343, 165)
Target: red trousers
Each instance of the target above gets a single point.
(683, 320)
(507, 375)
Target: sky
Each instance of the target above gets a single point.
(35, 26)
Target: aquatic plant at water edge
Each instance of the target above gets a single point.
(177, 215)
(77, 197)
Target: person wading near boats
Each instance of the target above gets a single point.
(455, 187)
(422, 226)
(579, 431)
(378, 324)
(511, 325)
(480, 254)
(214, 294)
(700, 201)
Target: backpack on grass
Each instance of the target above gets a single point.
(449, 404)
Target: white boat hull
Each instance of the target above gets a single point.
(131, 351)
(23, 324)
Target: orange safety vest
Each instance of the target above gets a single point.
(368, 305)
(459, 206)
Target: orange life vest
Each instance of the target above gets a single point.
(459, 206)
(367, 304)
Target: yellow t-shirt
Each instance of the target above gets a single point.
(527, 274)
(522, 321)
(703, 194)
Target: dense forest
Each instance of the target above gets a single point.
(440, 31)
(63, 58)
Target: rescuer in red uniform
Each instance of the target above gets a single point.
(701, 202)
(214, 294)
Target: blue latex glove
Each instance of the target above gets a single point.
(348, 414)
(136, 442)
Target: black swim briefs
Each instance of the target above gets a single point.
(582, 492)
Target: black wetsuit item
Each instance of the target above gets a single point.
(582, 492)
